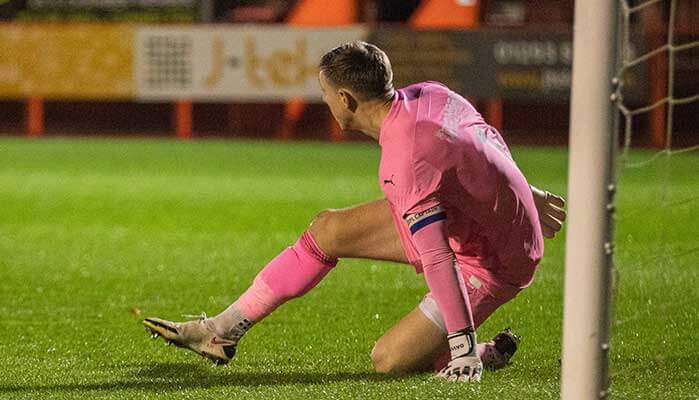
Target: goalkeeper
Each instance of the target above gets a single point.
(456, 207)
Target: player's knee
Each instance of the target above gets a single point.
(384, 360)
(325, 229)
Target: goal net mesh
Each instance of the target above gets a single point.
(657, 203)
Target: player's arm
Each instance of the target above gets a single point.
(429, 234)
(551, 209)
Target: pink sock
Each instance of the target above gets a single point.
(291, 274)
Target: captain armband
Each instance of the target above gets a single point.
(420, 220)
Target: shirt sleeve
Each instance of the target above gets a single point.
(429, 235)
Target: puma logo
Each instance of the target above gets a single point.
(387, 181)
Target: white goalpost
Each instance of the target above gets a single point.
(591, 186)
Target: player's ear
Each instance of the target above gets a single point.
(348, 99)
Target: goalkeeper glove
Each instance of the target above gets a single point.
(465, 366)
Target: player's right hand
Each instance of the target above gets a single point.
(551, 209)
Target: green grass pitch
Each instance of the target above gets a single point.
(92, 231)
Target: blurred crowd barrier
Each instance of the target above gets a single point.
(164, 63)
(156, 65)
(269, 63)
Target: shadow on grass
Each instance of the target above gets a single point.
(179, 375)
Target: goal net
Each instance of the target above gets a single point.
(657, 201)
(635, 84)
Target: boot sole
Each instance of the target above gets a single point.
(168, 334)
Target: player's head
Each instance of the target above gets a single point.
(351, 74)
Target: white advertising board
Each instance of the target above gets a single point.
(233, 62)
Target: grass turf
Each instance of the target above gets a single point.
(96, 234)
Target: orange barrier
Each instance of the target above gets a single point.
(657, 70)
(323, 13)
(447, 14)
(657, 67)
(34, 116)
(493, 112)
(456, 14)
(183, 119)
(316, 13)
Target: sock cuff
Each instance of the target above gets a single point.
(309, 243)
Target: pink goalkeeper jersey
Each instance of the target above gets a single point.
(436, 149)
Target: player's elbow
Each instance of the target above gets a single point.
(384, 360)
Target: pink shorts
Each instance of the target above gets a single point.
(485, 298)
(478, 276)
(486, 267)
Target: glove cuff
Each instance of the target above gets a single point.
(462, 343)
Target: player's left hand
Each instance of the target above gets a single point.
(551, 210)
(462, 369)
(465, 365)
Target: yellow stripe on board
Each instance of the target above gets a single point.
(57, 61)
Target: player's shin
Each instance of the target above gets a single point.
(291, 274)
